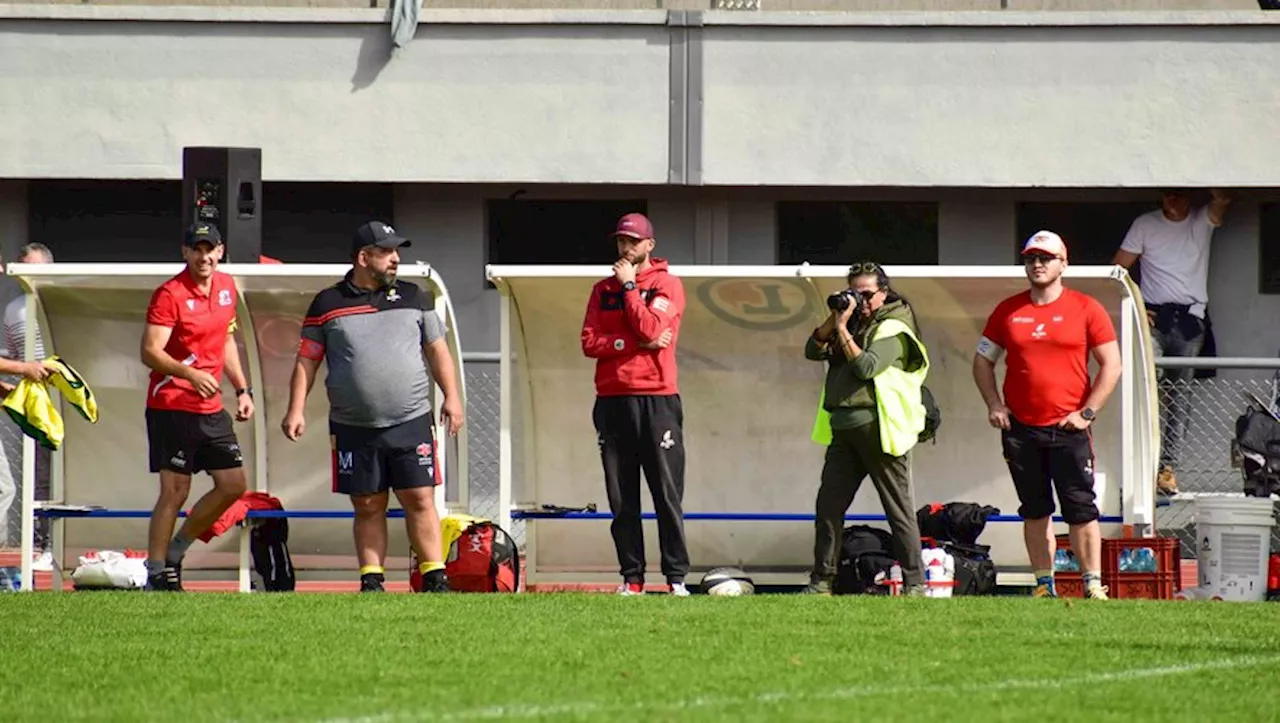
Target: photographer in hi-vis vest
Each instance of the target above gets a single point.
(876, 366)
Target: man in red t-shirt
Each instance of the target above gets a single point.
(1046, 335)
(187, 343)
(631, 328)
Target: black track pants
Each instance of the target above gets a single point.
(644, 432)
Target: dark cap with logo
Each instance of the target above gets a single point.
(377, 233)
(199, 232)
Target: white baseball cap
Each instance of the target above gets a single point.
(1045, 242)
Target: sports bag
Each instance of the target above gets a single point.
(975, 571)
(482, 557)
(865, 552)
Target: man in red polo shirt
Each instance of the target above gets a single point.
(1047, 335)
(631, 328)
(187, 343)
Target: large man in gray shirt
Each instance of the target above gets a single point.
(377, 335)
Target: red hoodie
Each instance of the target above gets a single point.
(618, 322)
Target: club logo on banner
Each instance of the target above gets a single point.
(757, 304)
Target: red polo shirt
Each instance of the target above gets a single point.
(200, 326)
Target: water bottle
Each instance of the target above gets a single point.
(1062, 561)
(1126, 560)
(10, 579)
(1146, 560)
(895, 579)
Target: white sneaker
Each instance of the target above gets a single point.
(679, 590)
(42, 562)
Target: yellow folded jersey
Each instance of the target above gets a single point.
(31, 405)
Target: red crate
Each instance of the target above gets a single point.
(1158, 585)
(1068, 584)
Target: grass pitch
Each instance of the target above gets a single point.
(399, 657)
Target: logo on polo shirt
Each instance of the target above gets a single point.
(224, 297)
(393, 295)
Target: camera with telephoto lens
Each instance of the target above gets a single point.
(843, 298)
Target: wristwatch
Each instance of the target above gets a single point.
(246, 390)
(629, 286)
(1087, 414)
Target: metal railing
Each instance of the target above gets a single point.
(1201, 456)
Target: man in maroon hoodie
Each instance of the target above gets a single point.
(631, 329)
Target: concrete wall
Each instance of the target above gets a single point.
(975, 99)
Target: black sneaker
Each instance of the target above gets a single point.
(435, 581)
(372, 582)
(167, 580)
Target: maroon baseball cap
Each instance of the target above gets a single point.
(634, 225)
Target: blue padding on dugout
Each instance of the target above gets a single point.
(297, 514)
(745, 516)
(525, 515)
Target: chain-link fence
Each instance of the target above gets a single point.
(1198, 423)
(483, 408)
(10, 478)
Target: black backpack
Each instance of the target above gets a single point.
(864, 552)
(932, 416)
(975, 572)
(269, 544)
(960, 522)
(1257, 444)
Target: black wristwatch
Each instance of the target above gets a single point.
(246, 390)
(629, 286)
(1087, 414)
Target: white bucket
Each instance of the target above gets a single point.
(1233, 536)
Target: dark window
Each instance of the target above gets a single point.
(1092, 231)
(824, 232)
(314, 222)
(555, 232)
(100, 221)
(1269, 248)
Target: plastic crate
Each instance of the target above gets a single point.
(1158, 585)
(1068, 584)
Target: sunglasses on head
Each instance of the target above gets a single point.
(866, 267)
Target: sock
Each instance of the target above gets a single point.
(1091, 579)
(426, 567)
(371, 570)
(154, 567)
(1043, 576)
(177, 549)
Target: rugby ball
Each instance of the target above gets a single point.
(727, 582)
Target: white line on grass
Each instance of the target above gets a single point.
(521, 710)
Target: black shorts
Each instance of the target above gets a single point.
(188, 442)
(368, 461)
(1042, 459)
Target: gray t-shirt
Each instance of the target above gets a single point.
(372, 343)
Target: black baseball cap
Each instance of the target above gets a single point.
(377, 233)
(200, 232)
